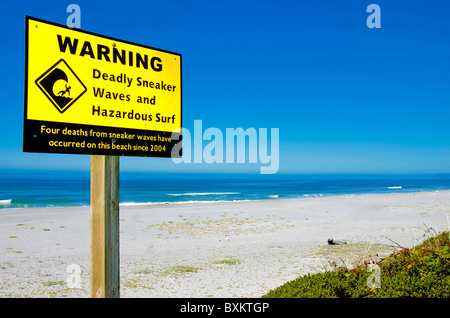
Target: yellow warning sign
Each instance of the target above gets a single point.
(81, 80)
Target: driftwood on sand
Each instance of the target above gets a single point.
(333, 242)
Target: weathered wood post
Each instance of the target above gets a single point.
(105, 227)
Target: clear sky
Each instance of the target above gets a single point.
(346, 98)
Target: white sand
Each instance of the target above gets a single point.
(236, 249)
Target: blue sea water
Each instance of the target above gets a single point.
(19, 189)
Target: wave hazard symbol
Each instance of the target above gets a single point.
(61, 86)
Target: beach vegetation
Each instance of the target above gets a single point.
(180, 269)
(275, 246)
(143, 271)
(228, 261)
(53, 283)
(420, 272)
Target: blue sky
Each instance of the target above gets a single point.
(345, 98)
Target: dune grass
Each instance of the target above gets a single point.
(419, 272)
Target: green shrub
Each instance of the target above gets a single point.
(423, 271)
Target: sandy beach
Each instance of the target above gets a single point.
(232, 249)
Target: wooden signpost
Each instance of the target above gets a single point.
(105, 258)
(90, 94)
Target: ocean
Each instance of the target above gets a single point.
(32, 189)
